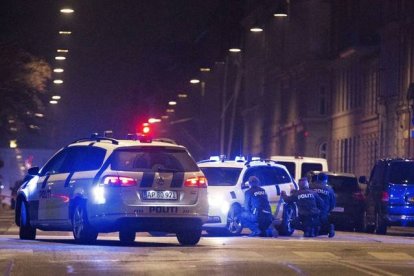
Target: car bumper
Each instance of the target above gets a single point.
(400, 220)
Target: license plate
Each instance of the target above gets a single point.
(338, 209)
(164, 195)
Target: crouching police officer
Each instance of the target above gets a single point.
(257, 214)
(309, 204)
(327, 194)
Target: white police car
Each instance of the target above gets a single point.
(226, 189)
(106, 185)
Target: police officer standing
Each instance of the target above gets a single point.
(327, 194)
(309, 204)
(257, 214)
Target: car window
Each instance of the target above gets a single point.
(306, 167)
(87, 158)
(290, 166)
(58, 164)
(343, 184)
(221, 176)
(153, 159)
(268, 175)
(401, 173)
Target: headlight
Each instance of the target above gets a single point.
(219, 201)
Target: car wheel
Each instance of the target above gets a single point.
(82, 230)
(234, 224)
(286, 227)
(26, 231)
(190, 237)
(380, 225)
(127, 236)
(368, 228)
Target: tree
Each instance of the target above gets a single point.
(23, 80)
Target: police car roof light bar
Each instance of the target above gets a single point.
(97, 139)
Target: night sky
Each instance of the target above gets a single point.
(126, 58)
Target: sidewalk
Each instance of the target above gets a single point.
(6, 219)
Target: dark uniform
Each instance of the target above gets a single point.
(257, 213)
(328, 196)
(309, 205)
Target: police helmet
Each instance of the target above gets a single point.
(254, 181)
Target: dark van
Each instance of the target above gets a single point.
(390, 195)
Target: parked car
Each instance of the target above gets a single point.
(390, 195)
(299, 166)
(100, 185)
(350, 200)
(226, 189)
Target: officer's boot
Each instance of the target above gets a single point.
(331, 231)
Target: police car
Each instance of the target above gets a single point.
(227, 184)
(100, 185)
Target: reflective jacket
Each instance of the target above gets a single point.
(256, 201)
(326, 193)
(308, 202)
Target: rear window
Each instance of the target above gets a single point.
(401, 173)
(307, 167)
(153, 159)
(268, 175)
(221, 176)
(343, 184)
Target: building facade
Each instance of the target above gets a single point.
(330, 80)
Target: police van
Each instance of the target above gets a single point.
(227, 184)
(299, 166)
(99, 185)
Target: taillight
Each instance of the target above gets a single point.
(119, 181)
(385, 197)
(198, 181)
(359, 196)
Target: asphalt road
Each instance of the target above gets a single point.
(55, 253)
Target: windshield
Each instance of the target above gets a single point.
(153, 159)
(401, 173)
(343, 184)
(221, 176)
(268, 175)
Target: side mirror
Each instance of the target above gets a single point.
(33, 171)
(245, 185)
(363, 179)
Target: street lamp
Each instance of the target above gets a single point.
(256, 29)
(58, 70)
(56, 97)
(172, 103)
(67, 10)
(65, 32)
(62, 50)
(195, 81)
(53, 102)
(235, 50)
(58, 81)
(205, 69)
(60, 58)
(182, 95)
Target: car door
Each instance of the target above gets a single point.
(374, 190)
(52, 176)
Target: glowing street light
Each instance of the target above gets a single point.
(62, 50)
(194, 81)
(13, 144)
(256, 29)
(235, 50)
(67, 10)
(53, 102)
(153, 120)
(182, 95)
(58, 81)
(205, 69)
(172, 103)
(56, 97)
(65, 32)
(164, 117)
(170, 110)
(58, 70)
(60, 58)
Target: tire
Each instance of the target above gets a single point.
(82, 231)
(191, 237)
(26, 231)
(380, 225)
(367, 228)
(234, 225)
(127, 236)
(286, 228)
